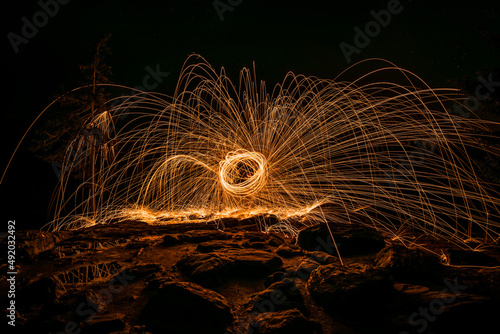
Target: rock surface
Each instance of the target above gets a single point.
(283, 322)
(227, 277)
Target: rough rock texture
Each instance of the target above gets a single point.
(283, 322)
(227, 277)
(36, 242)
(106, 324)
(282, 295)
(211, 264)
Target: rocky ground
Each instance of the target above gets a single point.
(229, 277)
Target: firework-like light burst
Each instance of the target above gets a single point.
(385, 154)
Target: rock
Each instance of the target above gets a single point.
(154, 281)
(306, 267)
(104, 324)
(92, 276)
(351, 289)
(256, 244)
(171, 240)
(207, 269)
(216, 245)
(322, 257)
(117, 228)
(469, 314)
(288, 251)
(138, 244)
(142, 270)
(211, 268)
(410, 289)
(484, 281)
(283, 322)
(33, 243)
(312, 261)
(254, 263)
(251, 239)
(403, 262)
(196, 236)
(182, 307)
(139, 329)
(350, 239)
(279, 296)
(466, 257)
(277, 276)
(451, 309)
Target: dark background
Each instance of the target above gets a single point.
(438, 40)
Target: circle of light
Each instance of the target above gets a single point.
(253, 183)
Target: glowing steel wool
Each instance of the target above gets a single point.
(243, 173)
(385, 154)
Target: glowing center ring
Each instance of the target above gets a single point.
(243, 173)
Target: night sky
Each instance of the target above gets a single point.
(438, 40)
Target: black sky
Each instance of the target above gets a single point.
(438, 40)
